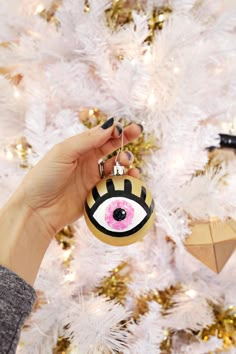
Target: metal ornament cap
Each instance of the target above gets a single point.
(118, 170)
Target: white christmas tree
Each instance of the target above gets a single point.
(169, 65)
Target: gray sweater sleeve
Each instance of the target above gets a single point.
(16, 302)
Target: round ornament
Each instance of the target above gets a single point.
(119, 210)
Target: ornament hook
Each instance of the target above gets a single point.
(118, 169)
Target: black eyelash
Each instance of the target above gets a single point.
(128, 186)
(143, 193)
(110, 186)
(95, 193)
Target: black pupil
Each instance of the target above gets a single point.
(119, 214)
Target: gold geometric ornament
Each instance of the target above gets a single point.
(212, 242)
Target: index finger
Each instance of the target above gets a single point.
(131, 132)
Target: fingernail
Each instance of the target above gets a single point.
(108, 123)
(140, 169)
(119, 129)
(130, 155)
(140, 125)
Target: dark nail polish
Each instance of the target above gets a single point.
(108, 123)
(119, 129)
(130, 155)
(140, 125)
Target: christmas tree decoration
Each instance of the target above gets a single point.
(163, 298)
(20, 150)
(157, 20)
(120, 12)
(115, 286)
(65, 237)
(224, 327)
(62, 347)
(66, 66)
(49, 14)
(119, 210)
(212, 242)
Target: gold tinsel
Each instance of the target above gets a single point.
(49, 14)
(62, 346)
(115, 286)
(20, 150)
(224, 327)
(120, 13)
(157, 19)
(65, 237)
(216, 159)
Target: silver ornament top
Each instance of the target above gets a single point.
(118, 170)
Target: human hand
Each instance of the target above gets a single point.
(53, 194)
(56, 188)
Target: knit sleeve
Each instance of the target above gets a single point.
(16, 301)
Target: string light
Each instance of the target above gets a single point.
(191, 293)
(176, 70)
(39, 9)
(70, 277)
(147, 57)
(16, 93)
(178, 162)
(152, 99)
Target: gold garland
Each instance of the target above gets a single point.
(62, 346)
(115, 286)
(223, 328)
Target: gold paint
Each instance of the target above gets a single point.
(119, 241)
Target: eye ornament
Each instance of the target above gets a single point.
(119, 210)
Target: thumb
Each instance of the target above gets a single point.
(93, 138)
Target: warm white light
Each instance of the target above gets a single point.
(9, 154)
(161, 18)
(178, 161)
(33, 33)
(16, 93)
(147, 57)
(176, 70)
(229, 127)
(66, 255)
(133, 62)
(91, 112)
(70, 276)
(191, 293)
(151, 99)
(39, 9)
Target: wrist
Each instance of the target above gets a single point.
(24, 238)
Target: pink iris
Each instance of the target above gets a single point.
(109, 214)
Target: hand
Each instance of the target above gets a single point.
(53, 195)
(56, 188)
